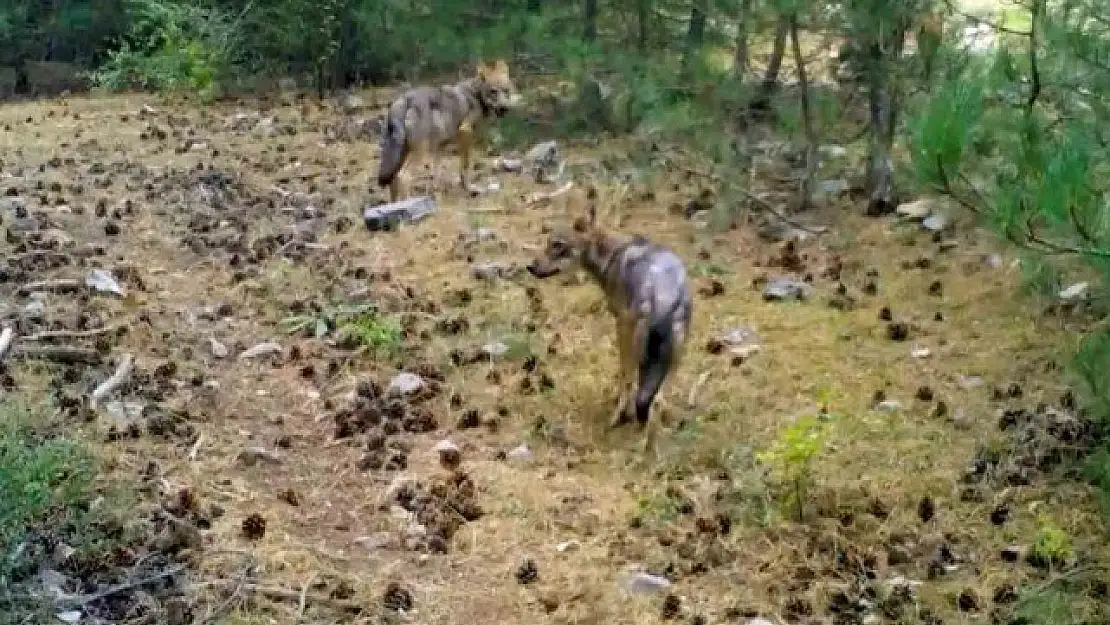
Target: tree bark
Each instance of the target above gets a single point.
(589, 32)
(740, 62)
(695, 35)
(771, 76)
(883, 102)
(806, 190)
(643, 15)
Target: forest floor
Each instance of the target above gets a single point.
(279, 468)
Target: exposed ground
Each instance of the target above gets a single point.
(219, 222)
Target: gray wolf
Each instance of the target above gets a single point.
(423, 120)
(647, 291)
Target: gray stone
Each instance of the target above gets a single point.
(387, 216)
(262, 349)
(644, 583)
(405, 383)
(782, 289)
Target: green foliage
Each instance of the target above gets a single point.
(43, 480)
(380, 334)
(792, 455)
(172, 46)
(1052, 546)
(356, 324)
(321, 323)
(1024, 145)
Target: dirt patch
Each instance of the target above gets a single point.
(287, 463)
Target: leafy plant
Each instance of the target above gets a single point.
(792, 455)
(321, 323)
(1052, 546)
(381, 334)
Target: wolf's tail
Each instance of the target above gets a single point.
(659, 356)
(393, 142)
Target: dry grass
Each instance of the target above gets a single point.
(584, 485)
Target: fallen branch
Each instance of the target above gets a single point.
(40, 254)
(758, 200)
(52, 335)
(59, 353)
(64, 285)
(123, 371)
(284, 594)
(774, 211)
(6, 339)
(543, 196)
(77, 602)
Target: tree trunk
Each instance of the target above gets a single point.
(589, 32)
(806, 190)
(740, 64)
(695, 36)
(771, 76)
(884, 116)
(643, 15)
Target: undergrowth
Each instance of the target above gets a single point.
(48, 497)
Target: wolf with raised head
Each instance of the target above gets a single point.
(423, 120)
(647, 291)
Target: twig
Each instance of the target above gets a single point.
(541, 196)
(123, 371)
(304, 598)
(6, 338)
(978, 20)
(692, 397)
(77, 602)
(64, 285)
(51, 335)
(195, 449)
(60, 353)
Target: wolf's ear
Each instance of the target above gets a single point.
(500, 67)
(483, 70)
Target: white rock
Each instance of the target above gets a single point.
(103, 282)
(405, 383)
(521, 453)
(1074, 292)
(262, 349)
(570, 545)
(917, 209)
(72, 616)
(889, 405)
(935, 223)
(643, 583)
(495, 349)
(218, 349)
(921, 352)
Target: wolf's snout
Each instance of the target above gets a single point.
(541, 269)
